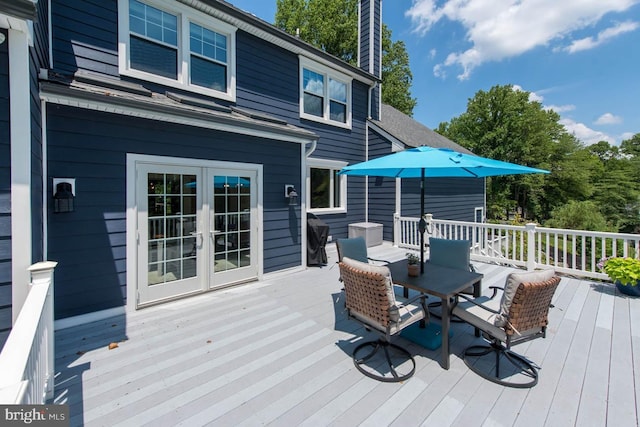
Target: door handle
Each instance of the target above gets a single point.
(196, 234)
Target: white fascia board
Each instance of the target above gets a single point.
(19, 25)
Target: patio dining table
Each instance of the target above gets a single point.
(439, 281)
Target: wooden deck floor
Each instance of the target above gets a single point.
(279, 353)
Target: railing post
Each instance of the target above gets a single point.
(530, 230)
(429, 219)
(397, 238)
(42, 274)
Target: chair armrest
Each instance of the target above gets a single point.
(495, 290)
(378, 260)
(415, 298)
(484, 307)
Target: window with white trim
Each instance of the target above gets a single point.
(172, 44)
(325, 94)
(326, 190)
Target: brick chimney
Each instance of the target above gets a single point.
(370, 46)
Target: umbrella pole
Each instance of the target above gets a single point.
(422, 224)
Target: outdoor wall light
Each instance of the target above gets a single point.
(63, 194)
(291, 193)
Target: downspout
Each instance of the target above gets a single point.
(303, 197)
(311, 148)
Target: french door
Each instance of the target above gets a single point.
(232, 200)
(197, 229)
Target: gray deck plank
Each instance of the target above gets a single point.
(278, 353)
(621, 406)
(566, 402)
(634, 322)
(593, 399)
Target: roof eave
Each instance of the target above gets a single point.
(66, 95)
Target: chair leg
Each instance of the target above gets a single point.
(388, 348)
(524, 366)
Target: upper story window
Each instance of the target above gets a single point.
(325, 94)
(171, 44)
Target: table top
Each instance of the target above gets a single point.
(436, 280)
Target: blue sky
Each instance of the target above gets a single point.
(578, 57)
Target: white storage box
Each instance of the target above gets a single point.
(371, 232)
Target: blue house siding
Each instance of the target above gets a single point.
(85, 36)
(446, 198)
(5, 195)
(268, 79)
(382, 191)
(89, 243)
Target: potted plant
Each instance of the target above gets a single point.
(413, 265)
(625, 272)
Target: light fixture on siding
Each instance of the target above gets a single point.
(291, 193)
(63, 194)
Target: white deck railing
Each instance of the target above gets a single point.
(568, 251)
(27, 359)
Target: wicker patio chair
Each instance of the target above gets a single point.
(370, 300)
(520, 315)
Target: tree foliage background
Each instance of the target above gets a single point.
(332, 25)
(590, 187)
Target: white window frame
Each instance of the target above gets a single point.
(185, 15)
(328, 74)
(332, 165)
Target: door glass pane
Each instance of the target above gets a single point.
(171, 222)
(232, 220)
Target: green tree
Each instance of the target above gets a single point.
(631, 146)
(616, 186)
(504, 124)
(332, 25)
(576, 215)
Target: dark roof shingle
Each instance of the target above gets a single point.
(411, 132)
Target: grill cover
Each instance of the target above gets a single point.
(317, 235)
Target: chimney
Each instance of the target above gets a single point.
(370, 46)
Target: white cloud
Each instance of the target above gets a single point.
(560, 108)
(603, 36)
(608, 119)
(626, 135)
(533, 97)
(499, 30)
(585, 134)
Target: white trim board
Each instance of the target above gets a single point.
(20, 111)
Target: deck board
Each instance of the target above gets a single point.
(278, 353)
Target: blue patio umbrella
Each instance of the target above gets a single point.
(429, 162)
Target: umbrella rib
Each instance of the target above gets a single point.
(471, 172)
